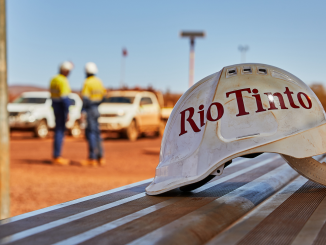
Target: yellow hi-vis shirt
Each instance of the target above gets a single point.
(93, 89)
(59, 87)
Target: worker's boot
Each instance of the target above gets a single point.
(101, 161)
(89, 163)
(60, 161)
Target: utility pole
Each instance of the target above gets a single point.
(192, 35)
(123, 66)
(4, 127)
(243, 50)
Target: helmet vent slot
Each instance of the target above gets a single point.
(231, 72)
(246, 70)
(262, 71)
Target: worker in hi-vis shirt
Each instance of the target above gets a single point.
(60, 89)
(92, 94)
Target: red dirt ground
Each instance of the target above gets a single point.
(35, 183)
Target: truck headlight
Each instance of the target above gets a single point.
(27, 116)
(31, 119)
(25, 113)
(121, 113)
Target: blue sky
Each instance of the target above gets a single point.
(41, 34)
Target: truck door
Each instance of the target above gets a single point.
(148, 112)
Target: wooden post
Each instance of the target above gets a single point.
(4, 127)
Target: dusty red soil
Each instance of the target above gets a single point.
(35, 183)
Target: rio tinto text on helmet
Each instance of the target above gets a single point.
(241, 106)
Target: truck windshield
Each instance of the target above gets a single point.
(119, 99)
(30, 100)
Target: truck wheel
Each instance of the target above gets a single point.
(76, 131)
(41, 130)
(132, 131)
(161, 128)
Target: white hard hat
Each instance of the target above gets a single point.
(242, 109)
(67, 66)
(91, 68)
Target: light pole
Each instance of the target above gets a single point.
(192, 35)
(4, 127)
(243, 50)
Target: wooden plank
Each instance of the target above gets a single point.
(238, 206)
(243, 226)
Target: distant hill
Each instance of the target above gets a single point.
(170, 99)
(16, 90)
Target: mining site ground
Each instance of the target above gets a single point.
(35, 183)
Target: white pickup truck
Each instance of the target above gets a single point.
(33, 111)
(131, 113)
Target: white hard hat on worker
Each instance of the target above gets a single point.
(91, 68)
(240, 110)
(66, 66)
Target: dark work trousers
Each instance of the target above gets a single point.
(60, 114)
(93, 134)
